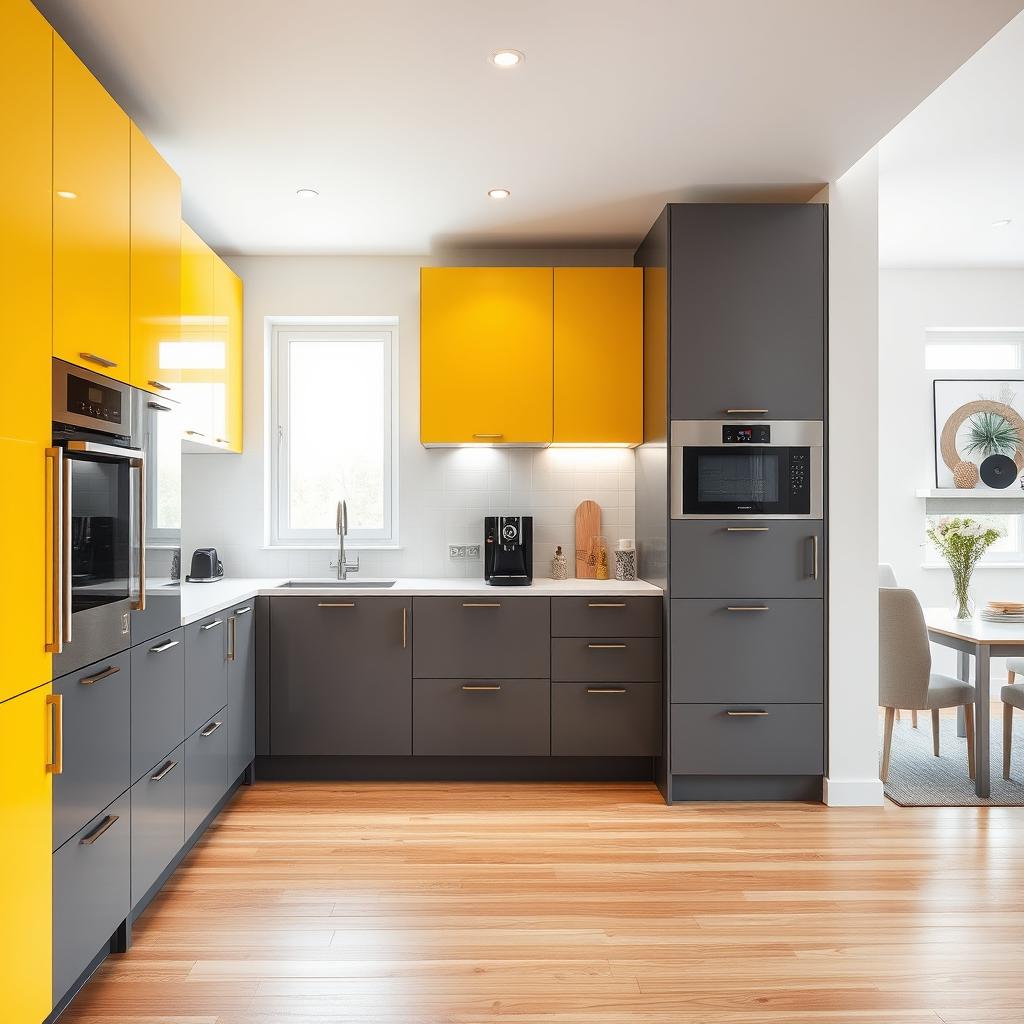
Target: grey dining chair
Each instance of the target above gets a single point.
(1014, 668)
(1013, 697)
(905, 677)
(887, 579)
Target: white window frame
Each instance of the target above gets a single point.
(279, 331)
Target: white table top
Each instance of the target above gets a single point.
(976, 630)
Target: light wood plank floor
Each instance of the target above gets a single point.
(469, 904)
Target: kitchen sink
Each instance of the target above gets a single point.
(334, 584)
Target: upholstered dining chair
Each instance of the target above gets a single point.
(1014, 668)
(905, 677)
(1013, 697)
(887, 579)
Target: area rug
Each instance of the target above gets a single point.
(919, 779)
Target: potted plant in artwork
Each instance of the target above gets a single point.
(989, 433)
(962, 541)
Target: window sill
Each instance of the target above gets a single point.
(979, 568)
(332, 547)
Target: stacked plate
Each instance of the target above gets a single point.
(1003, 611)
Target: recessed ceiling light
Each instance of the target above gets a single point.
(507, 58)
(67, 195)
(499, 193)
(307, 193)
(1005, 223)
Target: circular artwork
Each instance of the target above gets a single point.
(999, 471)
(958, 464)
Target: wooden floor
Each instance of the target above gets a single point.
(564, 903)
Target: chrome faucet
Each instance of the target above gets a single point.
(344, 567)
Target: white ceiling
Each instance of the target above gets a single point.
(956, 164)
(391, 109)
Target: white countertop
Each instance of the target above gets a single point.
(201, 599)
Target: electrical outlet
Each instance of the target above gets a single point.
(456, 551)
(472, 550)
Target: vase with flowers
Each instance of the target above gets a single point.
(962, 541)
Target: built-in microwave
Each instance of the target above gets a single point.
(730, 470)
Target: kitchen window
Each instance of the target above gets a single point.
(334, 401)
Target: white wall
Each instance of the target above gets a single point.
(853, 480)
(443, 494)
(910, 302)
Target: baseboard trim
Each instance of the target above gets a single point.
(853, 792)
(802, 788)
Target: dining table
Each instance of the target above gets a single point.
(982, 640)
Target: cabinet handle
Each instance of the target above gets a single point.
(98, 830)
(607, 604)
(56, 701)
(166, 769)
(210, 625)
(814, 556)
(243, 611)
(480, 687)
(232, 637)
(66, 584)
(481, 604)
(91, 357)
(159, 385)
(54, 643)
(747, 608)
(606, 647)
(606, 689)
(746, 529)
(159, 407)
(195, 433)
(405, 628)
(140, 604)
(221, 440)
(160, 648)
(489, 435)
(211, 729)
(336, 604)
(109, 671)
(759, 713)
(751, 412)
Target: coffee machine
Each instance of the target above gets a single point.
(508, 551)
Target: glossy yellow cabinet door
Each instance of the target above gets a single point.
(485, 355)
(227, 318)
(28, 742)
(91, 209)
(201, 355)
(155, 268)
(26, 126)
(599, 355)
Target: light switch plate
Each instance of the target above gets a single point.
(472, 550)
(456, 551)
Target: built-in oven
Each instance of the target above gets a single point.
(99, 491)
(730, 470)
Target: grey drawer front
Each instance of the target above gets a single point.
(158, 699)
(482, 636)
(787, 741)
(606, 616)
(158, 821)
(746, 558)
(601, 720)
(91, 891)
(511, 720)
(242, 691)
(206, 669)
(206, 770)
(97, 743)
(774, 655)
(608, 659)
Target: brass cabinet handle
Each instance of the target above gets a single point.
(221, 440)
(91, 357)
(336, 604)
(159, 385)
(195, 433)
(814, 556)
(243, 611)
(747, 608)
(405, 628)
(67, 580)
(759, 713)
(56, 701)
(89, 680)
(746, 529)
(140, 604)
(160, 648)
(752, 412)
(607, 604)
(54, 642)
(606, 689)
(165, 770)
(210, 625)
(480, 687)
(488, 435)
(481, 604)
(211, 729)
(606, 647)
(232, 636)
(98, 830)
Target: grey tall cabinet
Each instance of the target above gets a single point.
(736, 319)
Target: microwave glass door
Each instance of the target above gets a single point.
(751, 477)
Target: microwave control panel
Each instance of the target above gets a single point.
(739, 433)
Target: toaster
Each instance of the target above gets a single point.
(206, 566)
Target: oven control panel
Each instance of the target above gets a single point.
(740, 433)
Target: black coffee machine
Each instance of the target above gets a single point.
(508, 551)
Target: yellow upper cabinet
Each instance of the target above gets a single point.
(598, 355)
(227, 319)
(27, 746)
(201, 356)
(91, 213)
(485, 355)
(26, 49)
(155, 268)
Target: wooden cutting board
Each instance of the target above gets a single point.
(588, 529)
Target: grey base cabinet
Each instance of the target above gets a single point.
(158, 700)
(158, 821)
(206, 770)
(206, 669)
(606, 720)
(91, 891)
(241, 731)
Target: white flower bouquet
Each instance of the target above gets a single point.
(962, 541)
